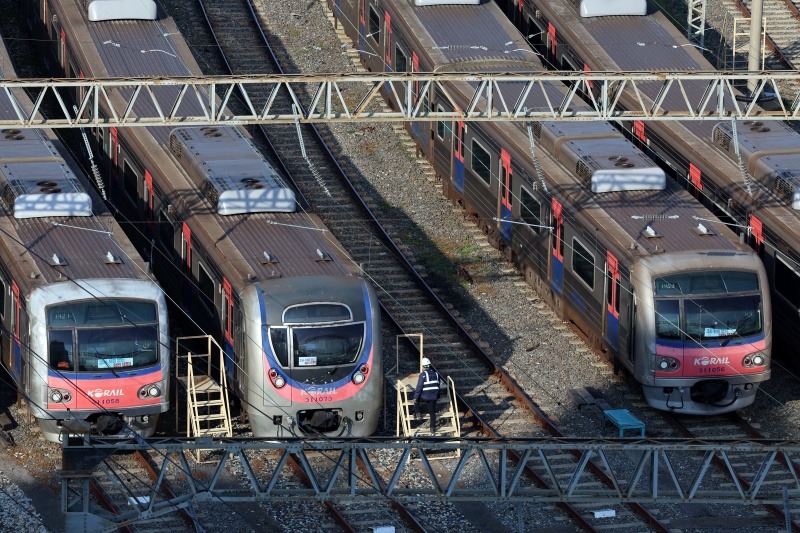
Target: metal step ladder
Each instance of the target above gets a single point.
(411, 424)
(200, 369)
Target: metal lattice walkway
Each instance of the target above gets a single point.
(642, 471)
(348, 98)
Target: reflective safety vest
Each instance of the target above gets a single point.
(431, 384)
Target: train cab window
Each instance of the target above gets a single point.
(206, 285)
(327, 345)
(481, 162)
(61, 350)
(668, 319)
(280, 345)
(400, 60)
(374, 29)
(583, 263)
(130, 182)
(441, 126)
(787, 282)
(530, 210)
(110, 335)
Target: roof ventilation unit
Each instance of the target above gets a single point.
(608, 8)
(37, 184)
(231, 173)
(101, 10)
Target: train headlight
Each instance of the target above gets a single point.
(667, 364)
(150, 391)
(59, 396)
(358, 378)
(277, 381)
(754, 359)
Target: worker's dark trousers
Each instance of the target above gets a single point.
(430, 407)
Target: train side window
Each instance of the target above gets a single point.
(441, 126)
(166, 232)
(583, 263)
(3, 290)
(206, 285)
(130, 182)
(400, 60)
(530, 210)
(374, 29)
(481, 162)
(787, 281)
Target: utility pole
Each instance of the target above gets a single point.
(756, 28)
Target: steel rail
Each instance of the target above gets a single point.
(775, 510)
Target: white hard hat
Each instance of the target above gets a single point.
(426, 361)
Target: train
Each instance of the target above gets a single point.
(634, 261)
(84, 327)
(701, 156)
(227, 237)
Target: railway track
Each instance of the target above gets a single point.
(782, 27)
(125, 480)
(664, 425)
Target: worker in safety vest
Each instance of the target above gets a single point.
(427, 392)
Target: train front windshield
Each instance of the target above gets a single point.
(314, 340)
(705, 306)
(107, 335)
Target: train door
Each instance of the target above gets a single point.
(611, 319)
(227, 325)
(504, 207)
(419, 129)
(387, 55)
(550, 49)
(362, 25)
(458, 157)
(186, 255)
(16, 347)
(149, 197)
(113, 151)
(557, 249)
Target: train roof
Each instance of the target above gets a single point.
(466, 36)
(245, 246)
(42, 248)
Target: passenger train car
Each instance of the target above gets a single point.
(702, 155)
(84, 328)
(631, 259)
(225, 236)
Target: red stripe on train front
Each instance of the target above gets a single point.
(112, 393)
(324, 393)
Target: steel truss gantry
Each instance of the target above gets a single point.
(642, 471)
(356, 98)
